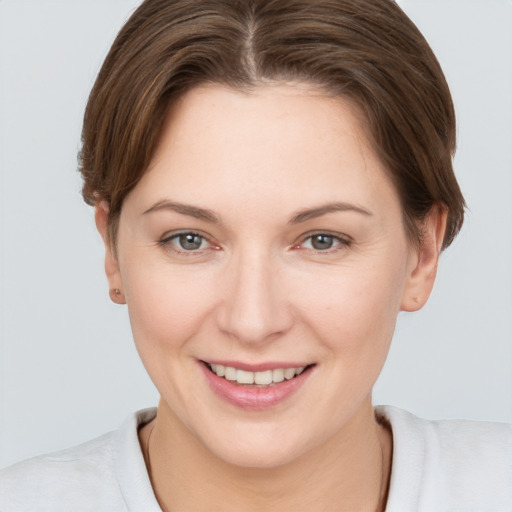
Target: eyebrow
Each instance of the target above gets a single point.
(184, 209)
(312, 213)
(301, 216)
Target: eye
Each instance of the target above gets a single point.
(321, 242)
(186, 241)
(324, 242)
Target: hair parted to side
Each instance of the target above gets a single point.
(365, 50)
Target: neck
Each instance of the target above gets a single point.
(351, 470)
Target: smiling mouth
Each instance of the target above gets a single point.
(264, 378)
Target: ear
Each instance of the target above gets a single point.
(112, 270)
(424, 260)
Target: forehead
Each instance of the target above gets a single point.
(287, 143)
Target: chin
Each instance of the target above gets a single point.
(261, 446)
(255, 455)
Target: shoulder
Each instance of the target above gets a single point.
(450, 464)
(56, 481)
(88, 477)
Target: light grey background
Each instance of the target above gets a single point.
(68, 367)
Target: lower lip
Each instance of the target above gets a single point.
(254, 398)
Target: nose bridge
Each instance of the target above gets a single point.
(254, 308)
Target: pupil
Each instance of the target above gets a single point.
(322, 242)
(190, 242)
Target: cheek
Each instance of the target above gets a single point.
(166, 308)
(354, 310)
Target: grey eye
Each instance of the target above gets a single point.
(190, 241)
(322, 242)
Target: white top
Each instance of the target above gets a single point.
(437, 466)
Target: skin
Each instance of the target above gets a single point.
(258, 291)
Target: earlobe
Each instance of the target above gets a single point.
(424, 260)
(111, 265)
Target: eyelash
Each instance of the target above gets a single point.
(341, 242)
(167, 241)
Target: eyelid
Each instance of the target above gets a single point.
(166, 240)
(173, 234)
(344, 241)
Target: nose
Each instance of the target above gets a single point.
(254, 308)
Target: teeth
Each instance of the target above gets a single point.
(229, 372)
(289, 373)
(259, 378)
(277, 375)
(263, 378)
(219, 369)
(243, 377)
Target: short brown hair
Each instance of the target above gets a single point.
(365, 50)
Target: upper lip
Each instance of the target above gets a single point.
(258, 367)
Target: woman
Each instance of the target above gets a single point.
(273, 184)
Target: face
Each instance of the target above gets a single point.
(264, 261)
